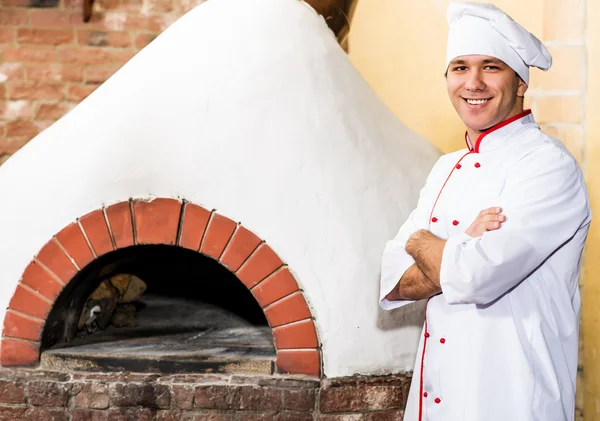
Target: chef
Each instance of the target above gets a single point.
(494, 244)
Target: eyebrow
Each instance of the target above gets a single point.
(486, 61)
(492, 61)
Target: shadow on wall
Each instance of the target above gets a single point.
(401, 318)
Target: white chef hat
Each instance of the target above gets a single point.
(483, 29)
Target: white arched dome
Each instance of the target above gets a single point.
(250, 108)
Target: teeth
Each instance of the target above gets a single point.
(477, 101)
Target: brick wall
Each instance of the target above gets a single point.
(50, 59)
(32, 395)
(558, 99)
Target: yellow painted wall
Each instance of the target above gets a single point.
(399, 47)
(591, 298)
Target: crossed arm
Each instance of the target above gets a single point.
(422, 279)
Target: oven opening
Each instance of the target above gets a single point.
(157, 308)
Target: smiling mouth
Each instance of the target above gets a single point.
(476, 101)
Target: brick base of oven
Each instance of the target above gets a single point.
(34, 395)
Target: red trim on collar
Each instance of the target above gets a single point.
(467, 141)
(494, 128)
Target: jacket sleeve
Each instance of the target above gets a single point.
(395, 260)
(545, 202)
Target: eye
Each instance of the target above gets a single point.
(491, 67)
(459, 68)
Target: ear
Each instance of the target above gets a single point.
(522, 88)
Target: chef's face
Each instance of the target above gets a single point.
(484, 91)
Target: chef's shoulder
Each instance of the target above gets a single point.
(545, 152)
(546, 160)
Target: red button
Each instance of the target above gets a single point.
(437, 400)
(443, 340)
(455, 222)
(427, 334)
(424, 394)
(458, 166)
(477, 165)
(434, 219)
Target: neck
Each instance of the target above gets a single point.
(474, 133)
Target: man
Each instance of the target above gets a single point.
(494, 243)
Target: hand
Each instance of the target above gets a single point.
(488, 220)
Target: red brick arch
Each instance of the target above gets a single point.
(170, 222)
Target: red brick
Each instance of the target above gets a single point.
(119, 218)
(250, 398)
(90, 395)
(29, 54)
(212, 416)
(131, 414)
(342, 417)
(15, 110)
(290, 309)
(155, 396)
(161, 6)
(10, 146)
(18, 352)
(256, 416)
(182, 396)
(75, 4)
(88, 415)
(46, 414)
(218, 233)
(38, 279)
(54, 73)
(296, 335)
(13, 17)
(385, 416)
(7, 36)
(195, 220)
(142, 40)
(78, 93)
(104, 39)
(275, 287)
(302, 361)
(294, 416)
(96, 231)
(53, 18)
(299, 400)
(99, 74)
(22, 128)
(12, 392)
(48, 393)
(14, 72)
(91, 55)
(30, 303)
(52, 111)
(363, 398)
(157, 221)
(73, 241)
(8, 413)
(261, 264)
(34, 91)
(144, 23)
(45, 36)
(18, 326)
(57, 261)
(242, 244)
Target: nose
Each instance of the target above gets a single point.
(475, 81)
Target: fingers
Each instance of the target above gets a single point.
(492, 217)
(493, 210)
(491, 226)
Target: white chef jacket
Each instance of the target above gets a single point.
(500, 342)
